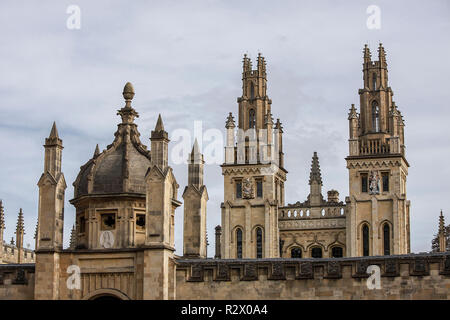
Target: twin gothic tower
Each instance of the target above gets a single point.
(375, 217)
(126, 196)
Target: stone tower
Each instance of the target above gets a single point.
(378, 209)
(253, 172)
(195, 198)
(161, 202)
(49, 238)
(52, 186)
(20, 231)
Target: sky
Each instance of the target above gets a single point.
(184, 59)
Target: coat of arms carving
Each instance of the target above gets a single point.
(247, 189)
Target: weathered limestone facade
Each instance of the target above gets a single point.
(378, 209)
(123, 241)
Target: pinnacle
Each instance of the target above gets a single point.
(315, 174)
(54, 132)
(230, 121)
(159, 124)
(20, 225)
(96, 152)
(195, 147)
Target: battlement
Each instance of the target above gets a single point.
(412, 276)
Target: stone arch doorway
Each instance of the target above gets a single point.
(106, 294)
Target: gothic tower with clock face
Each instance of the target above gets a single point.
(253, 171)
(378, 209)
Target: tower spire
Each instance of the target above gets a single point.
(54, 132)
(315, 182)
(315, 174)
(53, 151)
(159, 145)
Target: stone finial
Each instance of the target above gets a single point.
(230, 122)
(127, 113)
(2, 216)
(12, 241)
(268, 119)
(278, 125)
(128, 92)
(315, 174)
(352, 114)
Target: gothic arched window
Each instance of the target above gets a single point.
(374, 81)
(296, 252)
(375, 117)
(239, 243)
(337, 252)
(386, 239)
(251, 118)
(259, 248)
(316, 252)
(365, 236)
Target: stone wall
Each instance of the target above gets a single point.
(10, 254)
(415, 276)
(17, 282)
(421, 276)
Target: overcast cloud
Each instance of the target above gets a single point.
(184, 60)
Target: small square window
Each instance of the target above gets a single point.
(108, 221)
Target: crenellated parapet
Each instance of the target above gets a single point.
(342, 278)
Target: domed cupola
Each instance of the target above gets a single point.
(121, 168)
